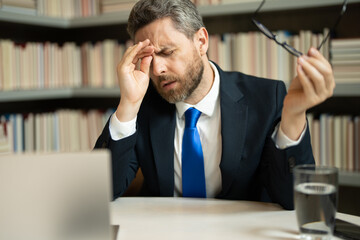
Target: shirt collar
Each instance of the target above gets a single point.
(207, 104)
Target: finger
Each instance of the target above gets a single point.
(313, 52)
(313, 74)
(131, 52)
(325, 71)
(305, 82)
(145, 65)
(145, 52)
(324, 67)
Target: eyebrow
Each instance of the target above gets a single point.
(163, 49)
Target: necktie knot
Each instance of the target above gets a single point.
(191, 117)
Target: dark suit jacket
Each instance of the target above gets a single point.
(252, 168)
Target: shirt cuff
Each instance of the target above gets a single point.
(282, 141)
(119, 130)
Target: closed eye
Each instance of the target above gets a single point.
(166, 52)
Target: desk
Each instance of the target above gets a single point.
(186, 218)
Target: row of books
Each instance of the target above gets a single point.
(53, 8)
(345, 58)
(253, 53)
(107, 6)
(80, 8)
(336, 140)
(60, 131)
(68, 8)
(47, 65)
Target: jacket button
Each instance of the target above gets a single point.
(292, 163)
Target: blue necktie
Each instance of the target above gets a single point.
(193, 173)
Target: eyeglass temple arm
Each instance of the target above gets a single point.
(336, 23)
(258, 9)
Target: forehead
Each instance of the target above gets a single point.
(161, 33)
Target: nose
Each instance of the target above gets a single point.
(158, 65)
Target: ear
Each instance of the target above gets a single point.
(201, 39)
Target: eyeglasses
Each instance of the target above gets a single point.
(285, 45)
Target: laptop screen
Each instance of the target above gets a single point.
(55, 196)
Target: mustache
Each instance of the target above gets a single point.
(167, 78)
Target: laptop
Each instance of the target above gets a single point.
(57, 196)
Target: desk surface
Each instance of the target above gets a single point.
(185, 218)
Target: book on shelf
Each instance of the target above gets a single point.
(60, 131)
(357, 142)
(206, 2)
(6, 135)
(324, 152)
(345, 59)
(335, 140)
(337, 151)
(315, 140)
(107, 6)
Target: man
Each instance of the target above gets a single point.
(252, 133)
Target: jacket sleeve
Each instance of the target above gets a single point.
(277, 165)
(124, 163)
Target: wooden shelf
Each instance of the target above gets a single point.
(352, 89)
(63, 93)
(349, 178)
(47, 94)
(105, 19)
(347, 90)
(245, 6)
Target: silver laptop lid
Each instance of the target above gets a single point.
(55, 196)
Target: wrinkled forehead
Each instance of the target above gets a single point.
(160, 32)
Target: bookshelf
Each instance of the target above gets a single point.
(227, 8)
(233, 16)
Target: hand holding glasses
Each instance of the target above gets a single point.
(285, 45)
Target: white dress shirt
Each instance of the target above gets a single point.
(209, 127)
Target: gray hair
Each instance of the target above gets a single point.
(183, 14)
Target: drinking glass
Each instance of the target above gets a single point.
(315, 198)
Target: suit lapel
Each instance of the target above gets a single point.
(162, 131)
(234, 114)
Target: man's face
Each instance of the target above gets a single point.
(176, 68)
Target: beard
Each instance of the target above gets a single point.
(187, 82)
